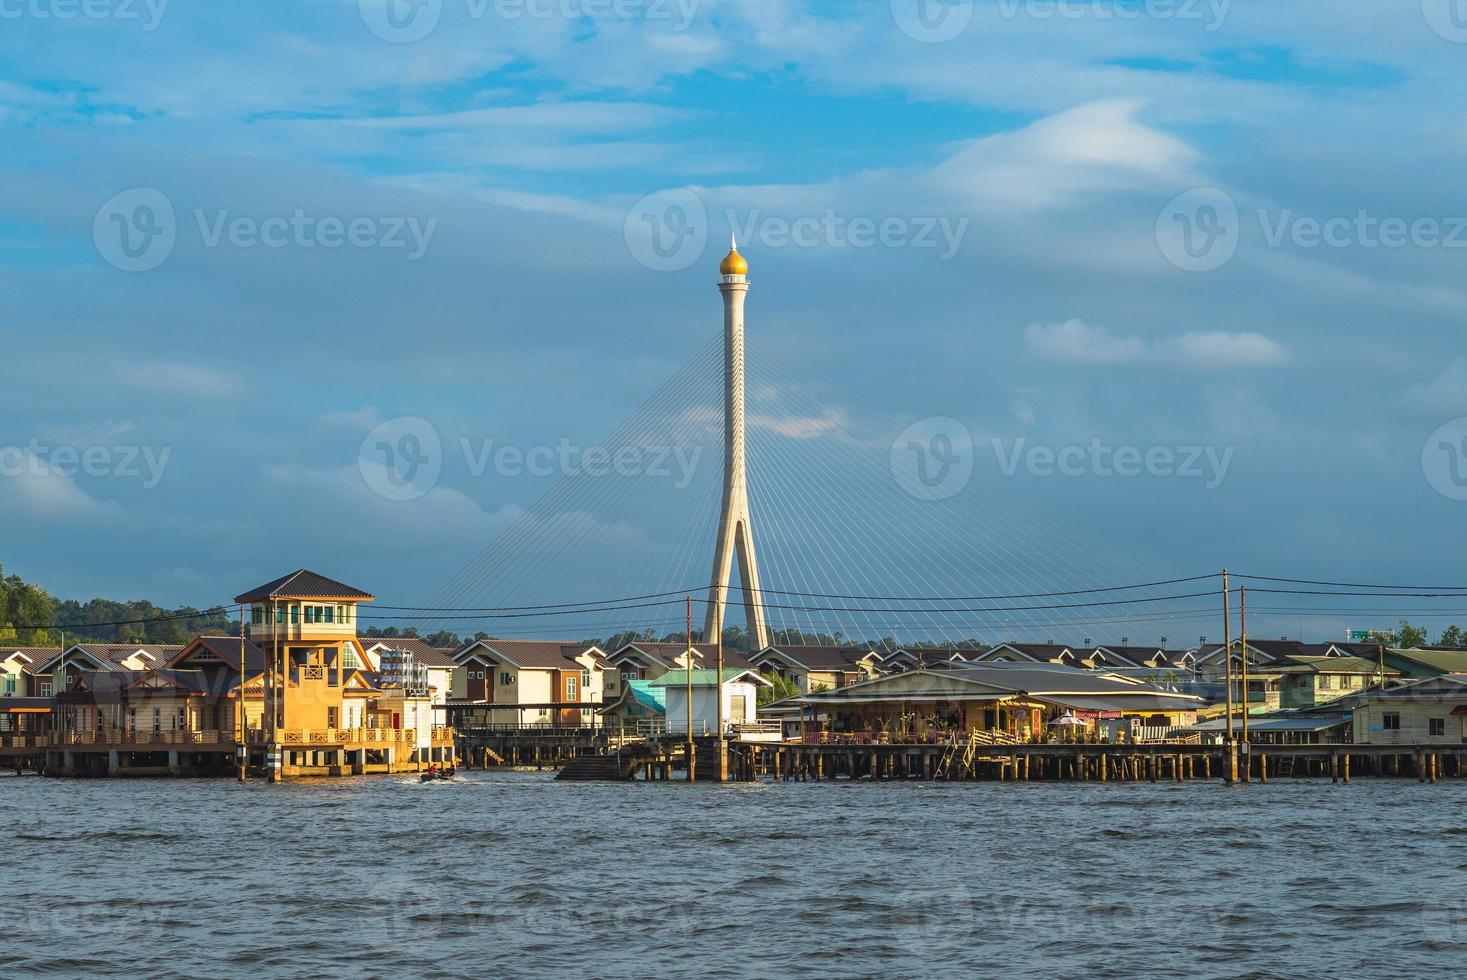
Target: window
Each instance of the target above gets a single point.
(505, 678)
(349, 659)
(257, 615)
(585, 679)
(572, 691)
(1436, 726)
(331, 718)
(329, 612)
(1326, 682)
(279, 615)
(9, 683)
(45, 689)
(1391, 721)
(157, 720)
(295, 615)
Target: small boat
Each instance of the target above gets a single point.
(437, 775)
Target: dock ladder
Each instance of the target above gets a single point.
(970, 752)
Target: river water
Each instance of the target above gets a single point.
(511, 874)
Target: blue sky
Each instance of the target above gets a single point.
(522, 148)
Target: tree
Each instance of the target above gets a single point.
(1452, 637)
(26, 612)
(1408, 637)
(779, 689)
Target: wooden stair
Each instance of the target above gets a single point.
(600, 768)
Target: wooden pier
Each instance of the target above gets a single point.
(1070, 762)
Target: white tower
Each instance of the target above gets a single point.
(734, 531)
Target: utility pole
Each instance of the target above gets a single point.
(244, 749)
(722, 742)
(1230, 767)
(690, 749)
(1243, 642)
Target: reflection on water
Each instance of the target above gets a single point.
(511, 874)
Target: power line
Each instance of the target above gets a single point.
(1346, 585)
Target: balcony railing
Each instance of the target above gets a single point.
(27, 741)
(338, 736)
(148, 737)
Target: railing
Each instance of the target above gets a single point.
(759, 728)
(334, 736)
(532, 728)
(147, 737)
(313, 673)
(26, 741)
(994, 737)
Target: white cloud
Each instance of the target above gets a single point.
(1077, 342)
(830, 421)
(31, 487)
(1445, 394)
(176, 377)
(1214, 350)
(1080, 343)
(443, 514)
(363, 419)
(1091, 148)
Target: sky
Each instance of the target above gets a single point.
(243, 247)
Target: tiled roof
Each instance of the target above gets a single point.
(111, 655)
(667, 653)
(534, 654)
(35, 656)
(226, 648)
(818, 657)
(1041, 652)
(303, 584)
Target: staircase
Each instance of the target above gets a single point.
(598, 768)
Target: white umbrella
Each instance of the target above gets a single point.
(1067, 720)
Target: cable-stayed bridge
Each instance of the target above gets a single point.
(821, 520)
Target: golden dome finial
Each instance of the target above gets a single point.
(733, 263)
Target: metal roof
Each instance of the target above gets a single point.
(678, 677)
(1312, 723)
